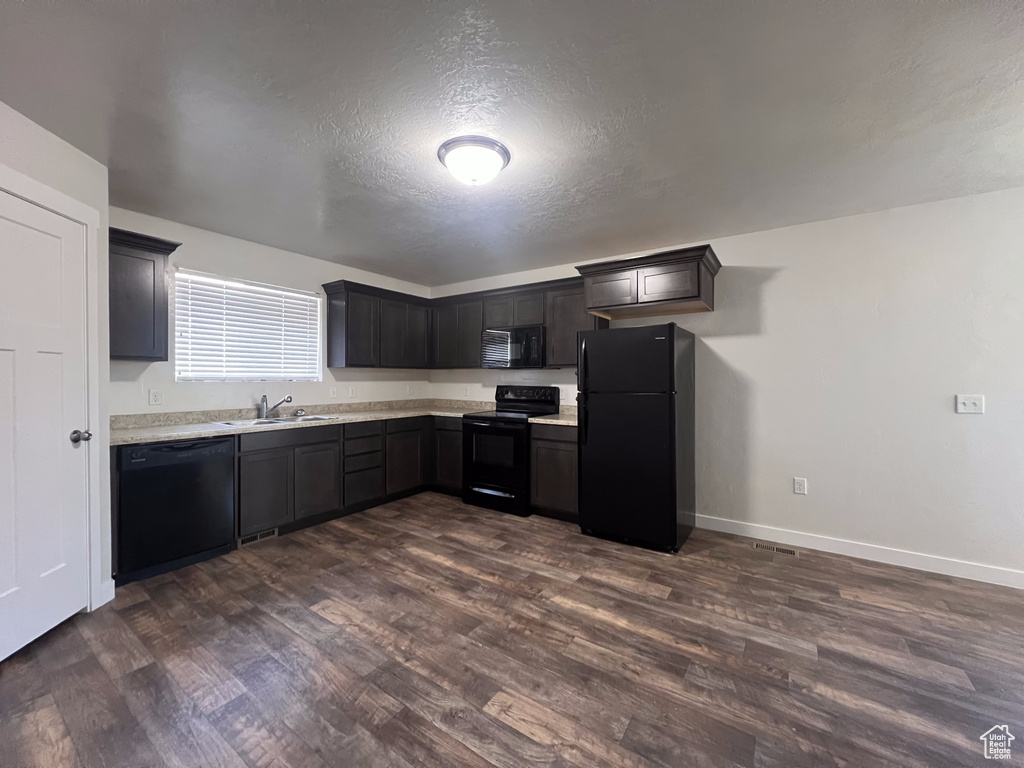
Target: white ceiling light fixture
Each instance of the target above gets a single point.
(473, 160)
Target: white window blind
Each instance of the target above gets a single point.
(233, 330)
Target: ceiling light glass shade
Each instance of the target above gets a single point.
(473, 160)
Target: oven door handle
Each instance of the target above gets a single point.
(491, 425)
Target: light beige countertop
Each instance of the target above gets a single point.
(558, 419)
(196, 431)
(195, 425)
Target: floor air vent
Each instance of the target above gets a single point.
(272, 533)
(774, 548)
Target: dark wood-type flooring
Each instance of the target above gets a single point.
(429, 633)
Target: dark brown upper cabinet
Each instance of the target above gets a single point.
(456, 330)
(566, 315)
(138, 295)
(471, 328)
(498, 312)
(372, 327)
(446, 336)
(404, 335)
(353, 326)
(672, 282)
(528, 309)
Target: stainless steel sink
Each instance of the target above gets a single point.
(294, 419)
(249, 422)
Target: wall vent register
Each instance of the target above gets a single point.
(234, 330)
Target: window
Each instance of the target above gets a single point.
(233, 330)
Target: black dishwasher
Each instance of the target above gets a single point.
(175, 505)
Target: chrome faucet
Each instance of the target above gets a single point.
(265, 411)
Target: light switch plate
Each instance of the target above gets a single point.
(334, 391)
(351, 391)
(970, 403)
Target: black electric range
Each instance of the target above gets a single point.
(496, 448)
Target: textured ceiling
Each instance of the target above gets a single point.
(313, 126)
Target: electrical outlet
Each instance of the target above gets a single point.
(465, 391)
(800, 486)
(156, 397)
(408, 390)
(351, 391)
(334, 391)
(970, 403)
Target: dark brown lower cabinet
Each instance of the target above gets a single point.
(553, 469)
(365, 486)
(317, 479)
(363, 463)
(448, 453)
(265, 490)
(408, 454)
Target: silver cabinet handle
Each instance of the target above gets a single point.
(78, 436)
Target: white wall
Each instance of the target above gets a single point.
(206, 251)
(834, 354)
(30, 150)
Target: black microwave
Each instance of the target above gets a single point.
(513, 347)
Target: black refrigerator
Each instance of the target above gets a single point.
(636, 435)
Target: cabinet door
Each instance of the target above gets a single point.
(392, 333)
(566, 314)
(317, 479)
(362, 333)
(668, 281)
(417, 337)
(498, 312)
(529, 309)
(611, 290)
(448, 449)
(553, 476)
(138, 304)
(403, 459)
(471, 319)
(265, 490)
(446, 336)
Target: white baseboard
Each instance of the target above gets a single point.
(106, 594)
(932, 563)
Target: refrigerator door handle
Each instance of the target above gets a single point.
(584, 384)
(583, 423)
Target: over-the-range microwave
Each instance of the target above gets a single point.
(513, 347)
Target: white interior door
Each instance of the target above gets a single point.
(44, 485)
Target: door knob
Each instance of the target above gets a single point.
(78, 436)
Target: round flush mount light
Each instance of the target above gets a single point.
(473, 160)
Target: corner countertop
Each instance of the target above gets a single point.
(136, 435)
(557, 419)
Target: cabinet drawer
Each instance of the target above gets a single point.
(364, 428)
(283, 438)
(364, 445)
(613, 289)
(668, 281)
(408, 425)
(364, 486)
(363, 461)
(448, 423)
(552, 432)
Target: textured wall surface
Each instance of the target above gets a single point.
(834, 353)
(313, 126)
